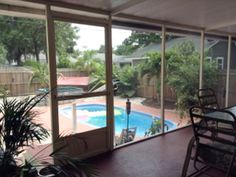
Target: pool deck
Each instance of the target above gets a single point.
(66, 124)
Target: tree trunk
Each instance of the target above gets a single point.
(46, 55)
(18, 57)
(36, 52)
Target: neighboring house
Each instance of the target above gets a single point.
(120, 60)
(217, 51)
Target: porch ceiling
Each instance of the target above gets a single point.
(210, 15)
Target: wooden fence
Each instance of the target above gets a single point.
(147, 88)
(17, 80)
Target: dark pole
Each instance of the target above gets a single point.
(128, 108)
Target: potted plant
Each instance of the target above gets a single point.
(18, 130)
(155, 127)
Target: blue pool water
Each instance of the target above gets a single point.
(95, 115)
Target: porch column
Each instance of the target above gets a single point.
(50, 32)
(163, 48)
(109, 85)
(228, 71)
(201, 59)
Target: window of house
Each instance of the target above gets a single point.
(208, 59)
(220, 63)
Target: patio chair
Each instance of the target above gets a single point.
(207, 151)
(207, 98)
(124, 138)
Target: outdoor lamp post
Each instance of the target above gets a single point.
(128, 108)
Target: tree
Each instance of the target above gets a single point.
(40, 73)
(87, 63)
(66, 36)
(64, 61)
(22, 36)
(128, 81)
(152, 66)
(182, 73)
(136, 40)
(98, 77)
(18, 36)
(101, 49)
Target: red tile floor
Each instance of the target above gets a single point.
(162, 156)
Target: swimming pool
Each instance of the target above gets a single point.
(95, 115)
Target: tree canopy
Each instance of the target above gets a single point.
(182, 72)
(136, 40)
(22, 36)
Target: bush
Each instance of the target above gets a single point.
(64, 62)
(127, 81)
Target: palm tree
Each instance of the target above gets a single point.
(18, 130)
(87, 63)
(40, 74)
(98, 77)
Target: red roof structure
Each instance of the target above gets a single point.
(73, 81)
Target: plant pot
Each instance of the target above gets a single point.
(49, 171)
(25, 172)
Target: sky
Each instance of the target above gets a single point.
(92, 37)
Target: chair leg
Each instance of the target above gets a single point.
(231, 165)
(188, 157)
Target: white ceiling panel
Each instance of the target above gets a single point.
(201, 13)
(229, 29)
(211, 15)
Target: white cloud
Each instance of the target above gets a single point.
(118, 36)
(92, 37)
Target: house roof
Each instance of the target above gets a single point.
(115, 58)
(211, 15)
(156, 47)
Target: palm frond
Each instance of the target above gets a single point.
(18, 125)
